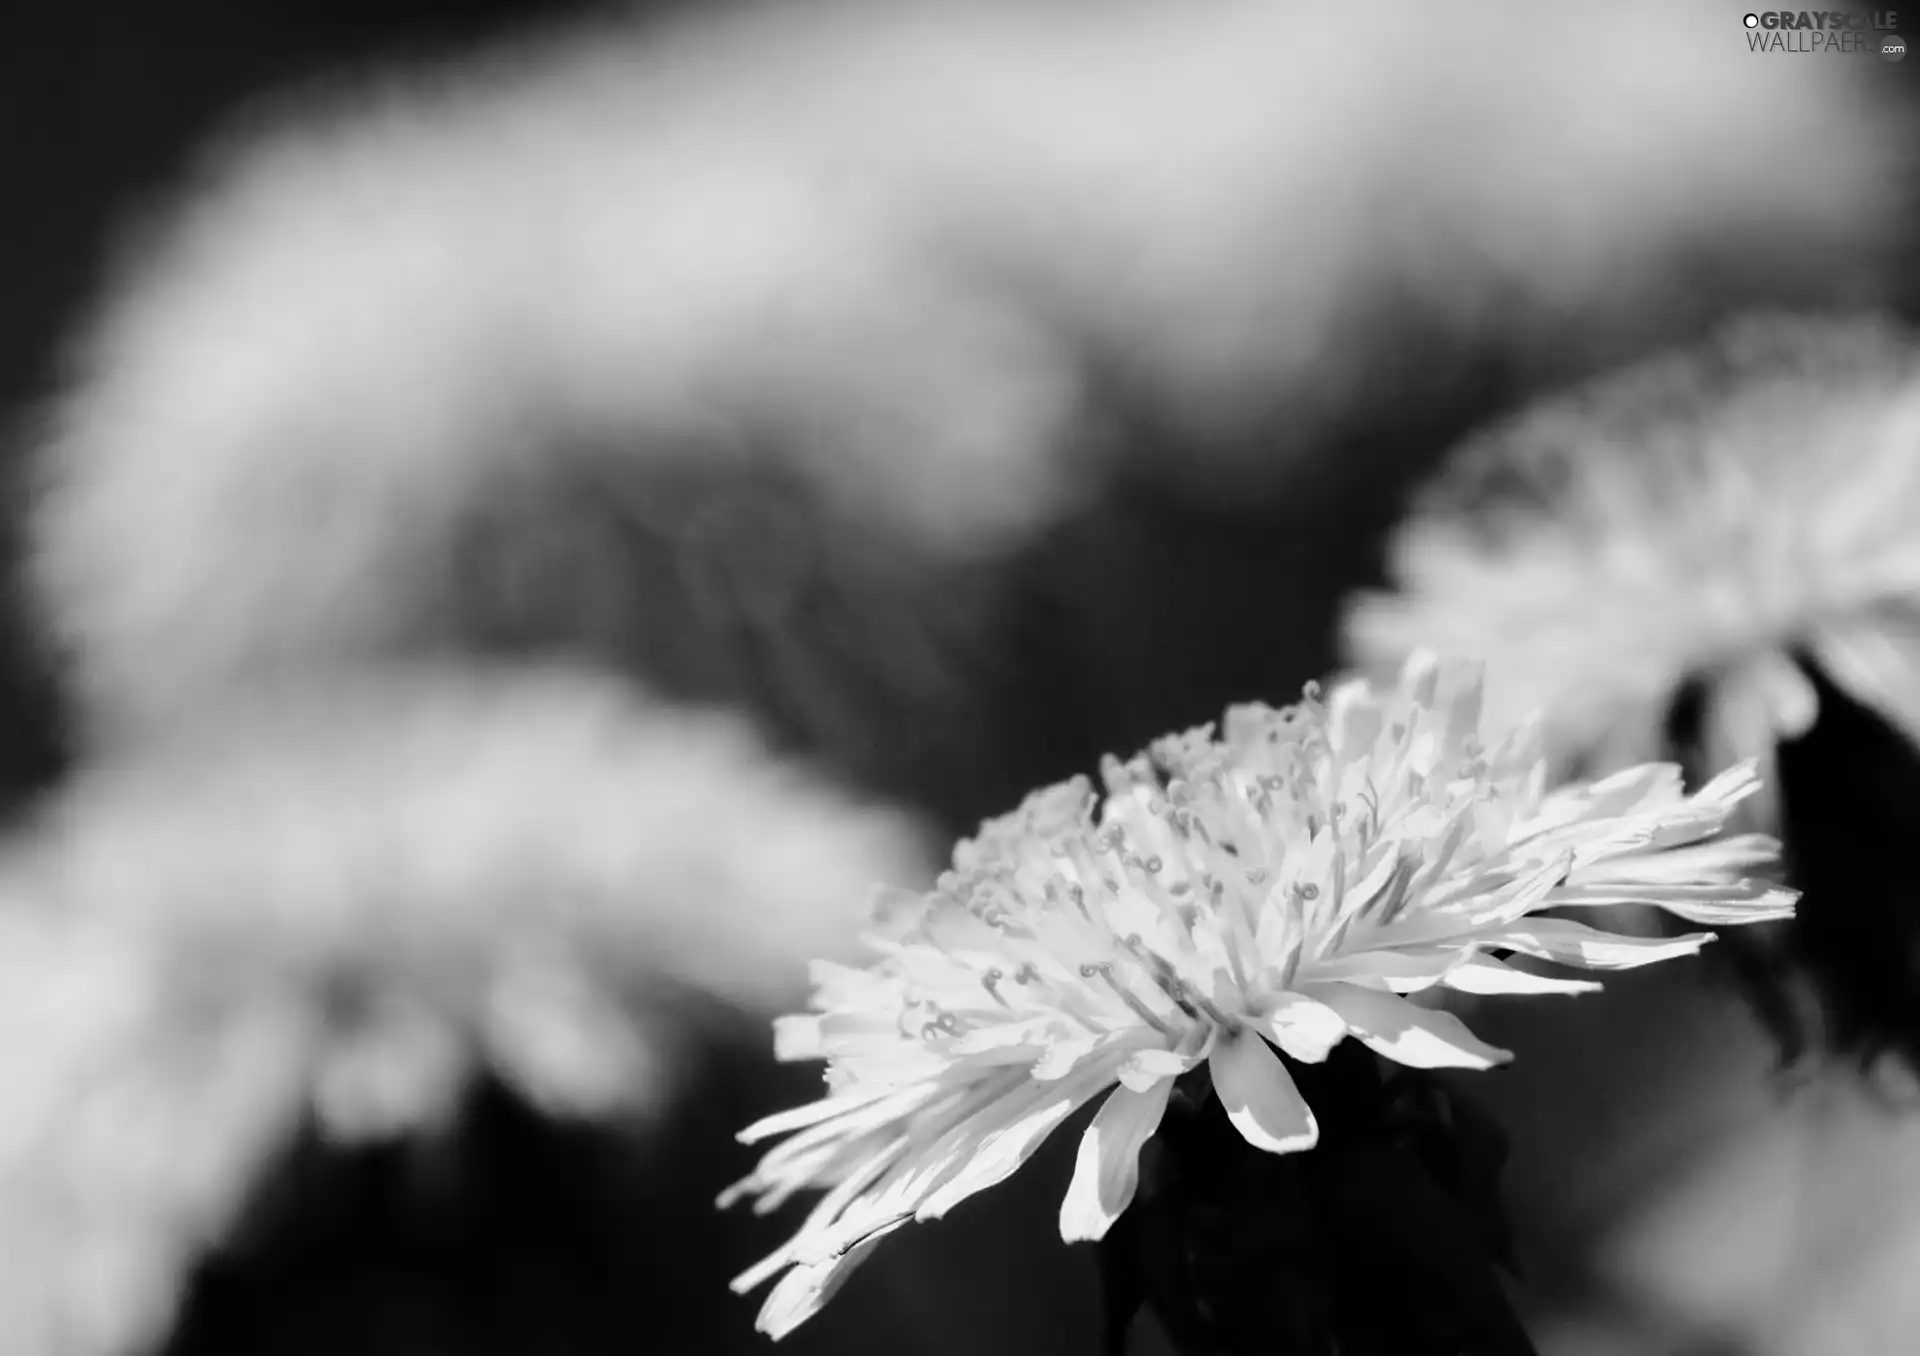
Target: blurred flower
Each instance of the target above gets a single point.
(134, 1120)
(1686, 554)
(1697, 517)
(343, 906)
(889, 250)
(1285, 883)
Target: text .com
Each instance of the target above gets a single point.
(1826, 30)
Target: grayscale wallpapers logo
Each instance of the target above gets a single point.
(1826, 30)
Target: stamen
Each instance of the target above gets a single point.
(990, 981)
(1132, 1000)
(1394, 898)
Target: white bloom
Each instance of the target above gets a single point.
(346, 905)
(1283, 885)
(874, 245)
(1693, 518)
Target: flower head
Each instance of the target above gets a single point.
(1284, 884)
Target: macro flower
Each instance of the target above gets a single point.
(1280, 886)
(1712, 556)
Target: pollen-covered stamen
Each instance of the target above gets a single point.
(1236, 902)
(1079, 859)
(1161, 972)
(1144, 875)
(1190, 999)
(990, 981)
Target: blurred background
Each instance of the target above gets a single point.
(938, 395)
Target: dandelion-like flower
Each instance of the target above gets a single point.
(1714, 552)
(1695, 519)
(1283, 885)
(340, 904)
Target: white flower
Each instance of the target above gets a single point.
(1283, 886)
(621, 261)
(1696, 518)
(345, 904)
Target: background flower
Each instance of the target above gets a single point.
(341, 910)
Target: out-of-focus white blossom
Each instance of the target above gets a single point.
(1695, 518)
(882, 247)
(1283, 885)
(342, 906)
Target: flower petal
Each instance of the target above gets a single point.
(1259, 1096)
(1002, 1153)
(1420, 1038)
(1400, 969)
(1714, 864)
(1063, 1057)
(1107, 1170)
(812, 1113)
(1570, 943)
(1307, 1030)
(1144, 1069)
(803, 1290)
(1484, 974)
(1741, 901)
(1516, 900)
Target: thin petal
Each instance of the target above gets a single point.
(1729, 788)
(1259, 1096)
(1401, 969)
(1484, 974)
(1145, 1069)
(1307, 1030)
(802, 1291)
(800, 1117)
(1107, 1171)
(1420, 1038)
(1063, 1057)
(1522, 897)
(1745, 901)
(1003, 1153)
(1716, 861)
(1570, 943)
